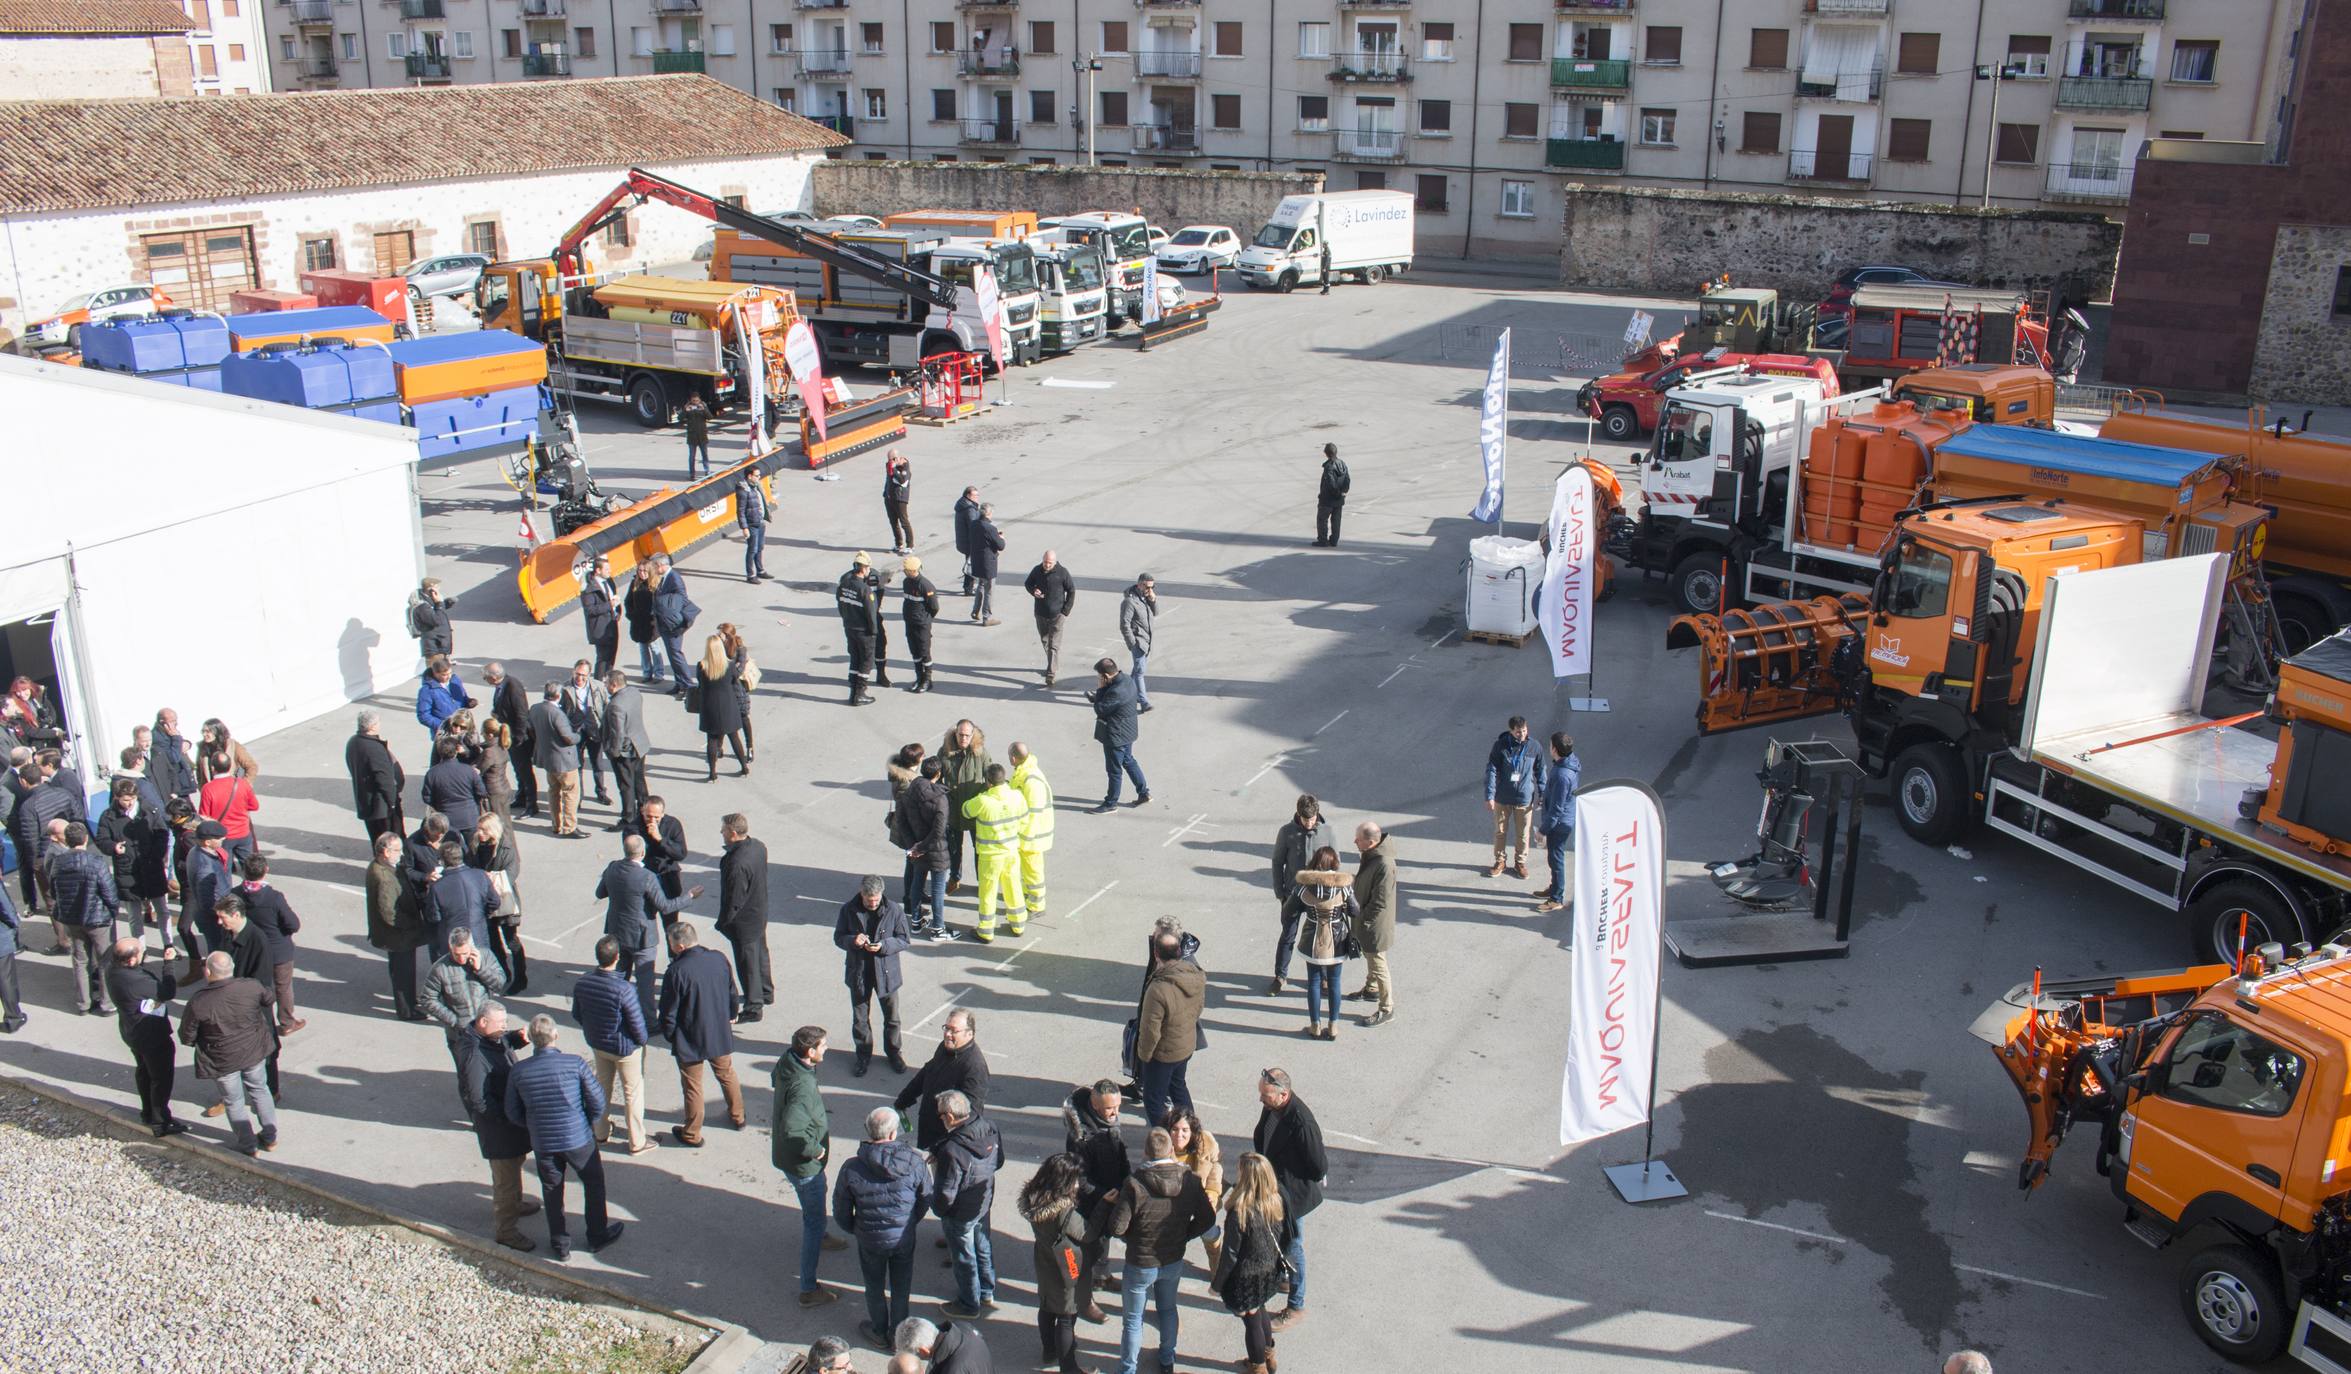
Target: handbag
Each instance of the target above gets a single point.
(750, 673)
(694, 698)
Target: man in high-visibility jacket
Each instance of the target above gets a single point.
(1036, 830)
(996, 816)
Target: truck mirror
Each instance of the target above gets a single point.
(2210, 1073)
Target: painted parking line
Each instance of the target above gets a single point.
(1329, 723)
(1187, 828)
(1775, 1226)
(2035, 1283)
(1963, 1268)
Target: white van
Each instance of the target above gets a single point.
(1368, 235)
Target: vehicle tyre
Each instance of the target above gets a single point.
(1287, 284)
(2233, 1298)
(2214, 916)
(1374, 275)
(73, 337)
(1930, 793)
(1697, 584)
(649, 402)
(2301, 622)
(937, 342)
(1619, 423)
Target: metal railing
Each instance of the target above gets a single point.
(2102, 182)
(844, 125)
(1181, 65)
(546, 64)
(427, 66)
(320, 69)
(543, 9)
(988, 62)
(677, 6)
(990, 130)
(1845, 6)
(2148, 11)
(1850, 87)
(314, 11)
(1585, 154)
(1807, 164)
(1588, 73)
(814, 60)
(1379, 65)
(423, 9)
(668, 60)
(2104, 92)
(1167, 138)
(1593, 6)
(1379, 145)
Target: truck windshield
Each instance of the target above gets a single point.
(1083, 271)
(1275, 236)
(1684, 435)
(1920, 588)
(1016, 272)
(1972, 406)
(1133, 241)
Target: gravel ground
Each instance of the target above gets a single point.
(124, 1256)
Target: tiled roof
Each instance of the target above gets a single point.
(91, 154)
(92, 16)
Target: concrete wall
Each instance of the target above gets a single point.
(1666, 241)
(2303, 352)
(89, 67)
(1169, 199)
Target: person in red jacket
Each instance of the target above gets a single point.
(230, 800)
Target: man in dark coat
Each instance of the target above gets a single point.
(897, 491)
(964, 1165)
(249, 957)
(922, 828)
(742, 911)
(600, 614)
(142, 994)
(697, 1016)
(169, 764)
(860, 606)
(485, 1059)
(922, 607)
(625, 744)
(39, 801)
(1053, 594)
(1117, 722)
(751, 514)
(85, 906)
(555, 747)
(454, 787)
(554, 1094)
(268, 909)
(665, 843)
(428, 620)
(635, 910)
(512, 706)
(228, 1024)
(461, 896)
(987, 544)
(879, 1197)
(1089, 1124)
(871, 932)
(967, 516)
(673, 614)
(1291, 1141)
(957, 1349)
(696, 415)
(1330, 498)
(376, 778)
(636, 605)
(420, 857)
(956, 1066)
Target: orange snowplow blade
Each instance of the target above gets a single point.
(1767, 664)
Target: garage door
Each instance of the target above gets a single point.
(202, 268)
(394, 251)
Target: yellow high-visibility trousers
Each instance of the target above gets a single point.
(1032, 883)
(998, 875)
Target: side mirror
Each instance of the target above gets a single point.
(2210, 1073)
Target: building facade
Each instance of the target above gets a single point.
(1483, 111)
(99, 49)
(228, 51)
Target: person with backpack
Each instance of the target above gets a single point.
(428, 620)
(1331, 500)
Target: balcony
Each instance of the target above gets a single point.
(1600, 7)
(1170, 4)
(423, 9)
(2090, 183)
(1808, 165)
(987, 4)
(1170, 66)
(1875, 8)
(1585, 154)
(1375, 4)
(1848, 88)
(1588, 74)
(428, 66)
(988, 62)
(989, 133)
(1167, 138)
(667, 61)
(1381, 67)
(2128, 11)
(2104, 92)
(818, 61)
(677, 6)
(543, 9)
(546, 64)
(844, 125)
(1368, 145)
(320, 71)
(309, 13)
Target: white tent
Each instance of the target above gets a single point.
(221, 556)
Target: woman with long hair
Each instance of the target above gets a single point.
(495, 853)
(215, 740)
(1324, 908)
(722, 707)
(1250, 1271)
(1197, 1151)
(746, 677)
(497, 754)
(1050, 1202)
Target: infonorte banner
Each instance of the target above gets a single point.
(990, 303)
(806, 360)
(1564, 614)
(1615, 952)
(1150, 290)
(1494, 431)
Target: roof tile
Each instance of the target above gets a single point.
(92, 16)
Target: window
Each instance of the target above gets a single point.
(1040, 39)
(1518, 200)
(1918, 54)
(2180, 133)
(318, 253)
(350, 47)
(1314, 40)
(779, 38)
(1759, 132)
(1665, 46)
(1224, 111)
(640, 40)
(2219, 1064)
(228, 9)
(2342, 293)
(877, 157)
(1314, 113)
(1768, 49)
(1920, 586)
(1429, 192)
(1228, 38)
(942, 37)
(236, 50)
(1436, 116)
(1369, 181)
(1114, 108)
(1906, 139)
(2196, 60)
(1657, 128)
(286, 45)
(463, 39)
(396, 45)
(2018, 143)
(1114, 35)
(787, 99)
(877, 103)
(946, 157)
(1526, 43)
(1050, 161)
(583, 41)
(942, 107)
(870, 35)
(1043, 108)
(481, 236)
(1436, 42)
(616, 234)
(2028, 54)
(1519, 121)
(201, 13)
(510, 43)
(207, 61)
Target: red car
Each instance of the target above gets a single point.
(1626, 402)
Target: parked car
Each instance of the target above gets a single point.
(1171, 294)
(1156, 235)
(451, 274)
(1839, 305)
(1199, 248)
(851, 222)
(64, 329)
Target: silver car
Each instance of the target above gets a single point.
(451, 274)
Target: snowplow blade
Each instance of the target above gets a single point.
(858, 427)
(1767, 664)
(671, 520)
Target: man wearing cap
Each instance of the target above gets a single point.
(860, 604)
(922, 606)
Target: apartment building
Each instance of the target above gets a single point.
(227, 47)
(1484, 111)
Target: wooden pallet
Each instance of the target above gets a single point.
(1496, 637)
(941, 421)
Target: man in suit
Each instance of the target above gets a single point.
(665, 843)
(376, 778)
(461, 897)
(625, 744)
(485, 1060)
(673, 615)
(967, 515)
(635, 909)
(555, 1096)
(587, 704)
(871, 932)
(512, 706)
(600, 614)
(697, 1015)
(142, 994)
(555, 744)
(987, 547)
(742, 911)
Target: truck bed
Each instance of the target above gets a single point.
(643, 345)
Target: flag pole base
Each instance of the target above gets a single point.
(1648, 1181)
(1595, 704)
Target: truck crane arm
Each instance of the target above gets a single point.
(640, 186)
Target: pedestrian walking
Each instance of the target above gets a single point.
(963, 1192)
(1248, 1274)
(800, 1140)
(861, 618)
(1116, 727)
(1057, 1225)
(897, 493)
(267, 908)
(697, 1018)
(428, 620)
(967, 519)
(440, 694)
(644, 627)
(879, 1198)
(635, 910)
(395, 924)
(674, 613)
(626, 744)
(718, 707)
(497, 854)
(1321, 917)
(1159, 1212)
(1291, 1141)
(746, 682)
(1090, 1135)
(695, 414)
(1375, 920)
(86, 907)
(987, 549)
(1053, 594)
(1330, 498)
(742, 912)
(1515, 774)
(1036, 826)
(751, 518)
(588, 705)
(612, 1023)
(1567, 773)
(1326, 268)
(871, 932)
(921, 608)
(377, 779)
(1138, 613)
(228, 1024)
(555, 1097)
(228, 799)
(461, 898)
(1293, 846)
(1167, 1029)
(920, 825)
(142, 995)
(964, 762)
(957, 1066)
(996, 817)
(485, 1062)
(600, 614)
(555, 743)
(454, 787)
(12, 1017)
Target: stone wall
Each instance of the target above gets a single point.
(1667, 241)
(2303, 351)
(91, 67)
(1169, 199)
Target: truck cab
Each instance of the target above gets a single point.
(1987, 393)
(1124, 242)
(1072, 295)
(1015, 266)
(1744, 319)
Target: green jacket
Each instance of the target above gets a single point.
(964, 772)
(1375, 899)
(801, 1133)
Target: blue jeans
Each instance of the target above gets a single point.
(889, 1275)
(755, 548)
(648, 662)
(810, 1191)
(694, 451)
(1556, 848)
(1322, 984)
(1289, 941)
(675, 647)
(974, 1259)
(1160, 1282)
(1162, 1084)
(1115, 759)
(935, 886)
(1142, 692)
(1294, 1250)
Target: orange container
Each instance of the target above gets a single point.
(254, 302)
(440, 367)
(1824, 523)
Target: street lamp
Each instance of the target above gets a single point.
(1089, 65)
(1996, 73)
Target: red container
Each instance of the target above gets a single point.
(387, 296)
(256, 302)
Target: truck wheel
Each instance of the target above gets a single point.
(1697, 585)
(2236, 1304)
(1619, 423)
(1287, 284)
(2215, 915)
(2301, 622)
(649, 402)
(1930, 793)
(1374, 275)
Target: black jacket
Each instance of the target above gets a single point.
(742, 885)
(1115, 712)
(967, 515)
(130, 984)
(859, 603)
(964, 1071)
(922, 603)
(1331, 492)
(698, 1005)
(418, 858)
(268, 911)
(665, 853)
(866, 971)
(1291, 1142)
(1059, 588)
(959, 1350)
(986, 543)
(637, 604)
(1101, 1150)
(169, 767)
(428, 620)
(963, 1170)
(598, 615)
(482, 1069)
(376, 777)
(922, 822)
(455, 788)
(140, 848)
(898, 483)
(512, 705)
